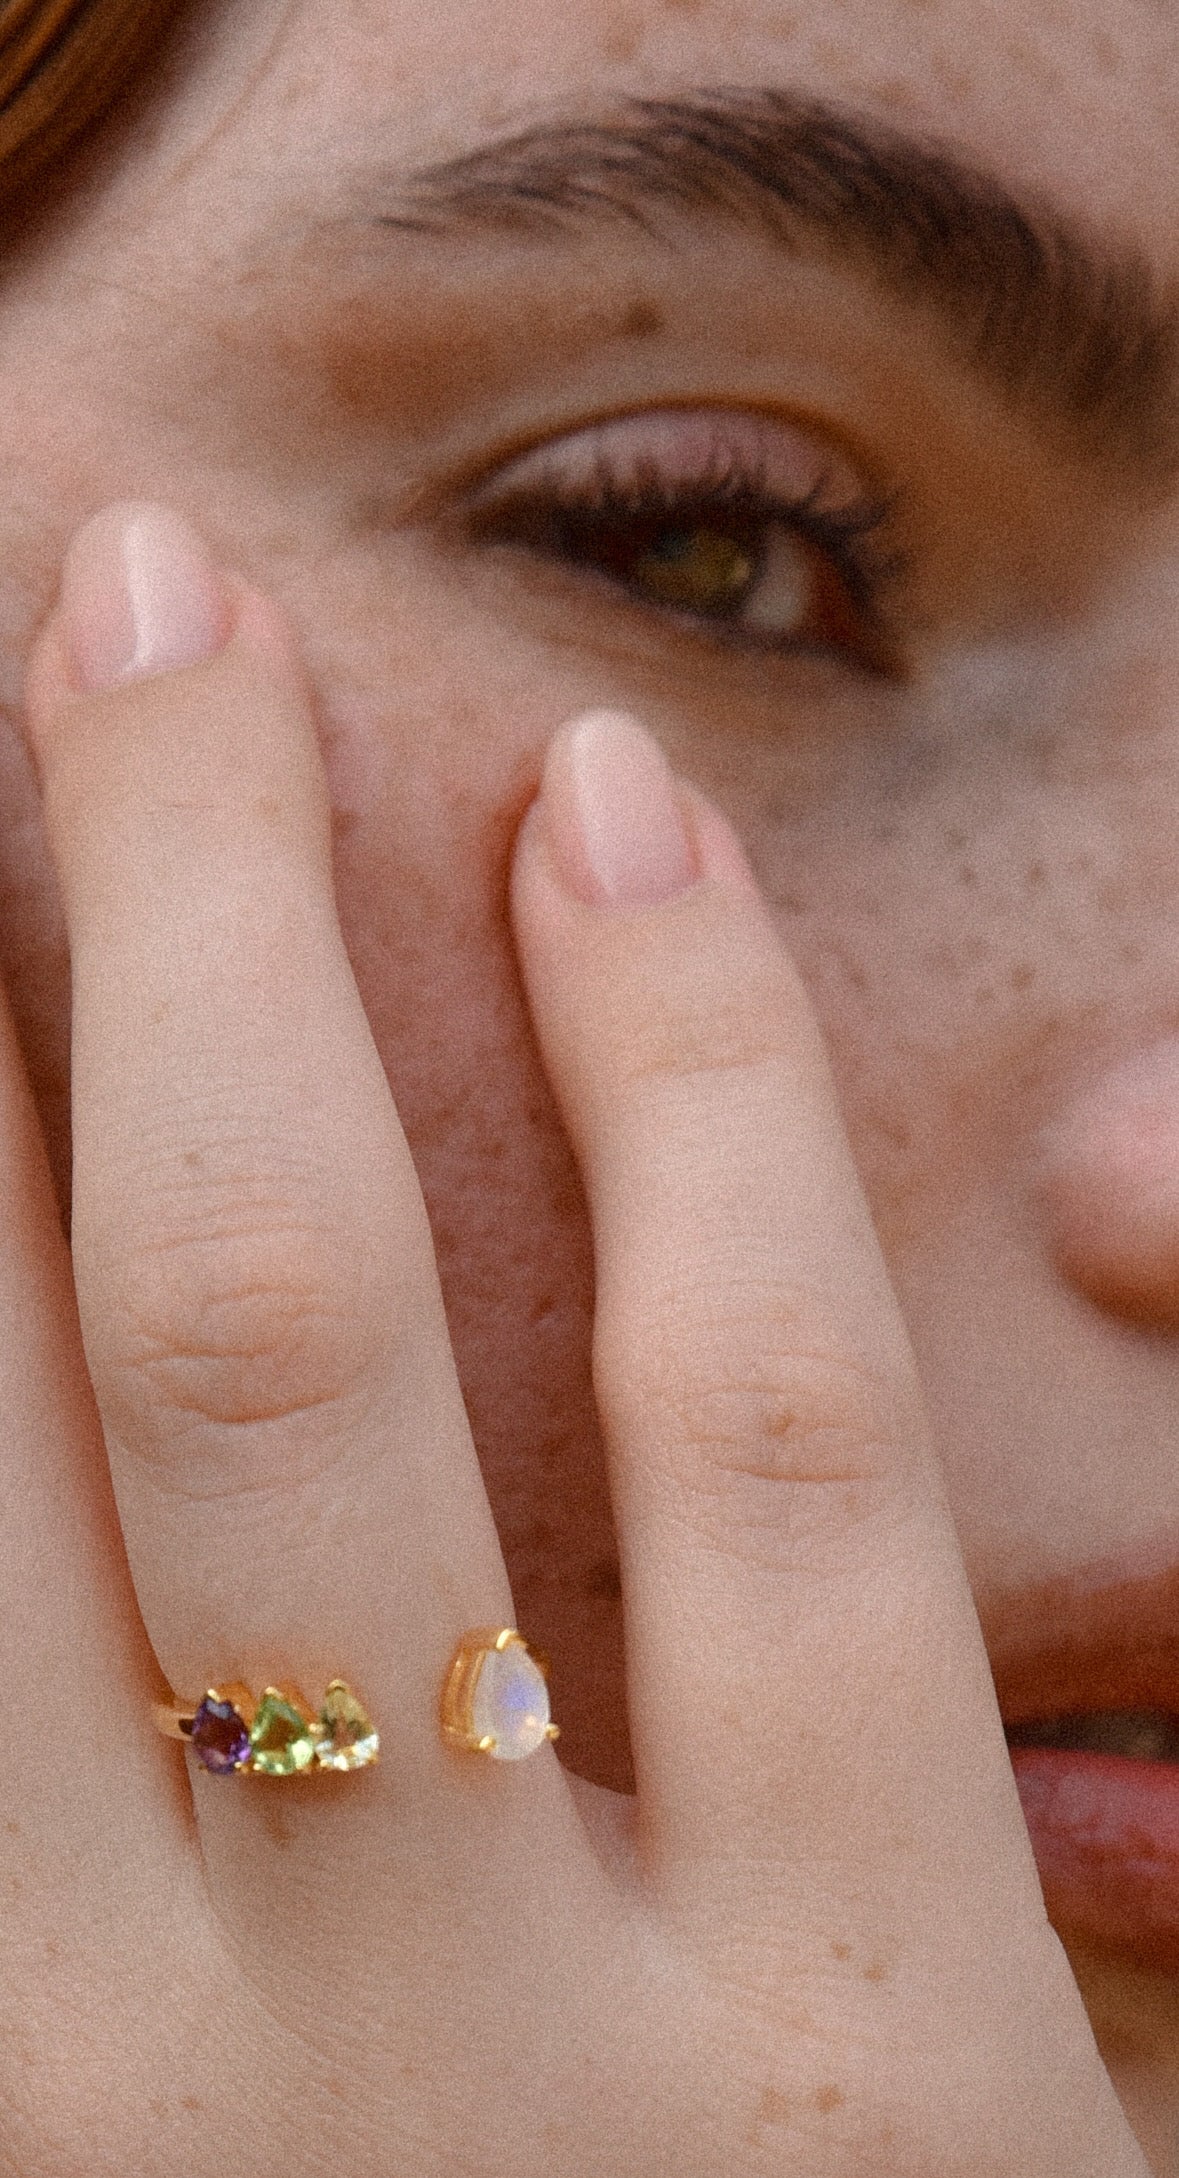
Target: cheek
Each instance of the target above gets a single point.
(428, 786)
(970, 940)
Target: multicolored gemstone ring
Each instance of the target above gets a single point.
(495, 1701)
(279, 1736)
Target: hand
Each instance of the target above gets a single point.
(815, 1946)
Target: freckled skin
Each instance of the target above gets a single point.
(982, 895)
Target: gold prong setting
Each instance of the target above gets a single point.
(495, 1698)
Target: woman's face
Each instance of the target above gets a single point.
(861, 540)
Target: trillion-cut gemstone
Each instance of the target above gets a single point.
(219, 1737)
(347, 1739)
(510, 1706)
(282, 1738)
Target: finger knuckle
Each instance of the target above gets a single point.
(753, 1427)
(797, 1419)
(707, 993)
(233, 1329)
(733, 1027)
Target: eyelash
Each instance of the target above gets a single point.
(561, 520)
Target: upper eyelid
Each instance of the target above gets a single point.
(793, 456)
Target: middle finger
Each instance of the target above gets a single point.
(809, 1687)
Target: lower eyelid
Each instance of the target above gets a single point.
(719, 636)
(842, 541)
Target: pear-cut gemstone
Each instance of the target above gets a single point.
(282, 1740)
(219, 1737)
(510, 1705)
(347, 1739)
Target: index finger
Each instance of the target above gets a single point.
(808, 1684)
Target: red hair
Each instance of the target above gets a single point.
(63, 64)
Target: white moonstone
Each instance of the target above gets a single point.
(511, 1703)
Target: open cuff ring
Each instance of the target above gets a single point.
(495, 1701)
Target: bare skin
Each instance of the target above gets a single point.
(967, 852)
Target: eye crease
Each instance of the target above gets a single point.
(729, 523)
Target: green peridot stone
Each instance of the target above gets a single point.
(282, 1741)
(347, 1739)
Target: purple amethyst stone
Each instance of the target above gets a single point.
(220, 1737)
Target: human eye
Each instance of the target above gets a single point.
(732, 523)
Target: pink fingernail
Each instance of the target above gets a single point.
(615, 825)
(140, 595)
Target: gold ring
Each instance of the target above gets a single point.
(279, 1736)
(495, 1697)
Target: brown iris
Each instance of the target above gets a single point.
(699, 569)
(690, 562)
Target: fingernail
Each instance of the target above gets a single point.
(615, 825)
(140, 595)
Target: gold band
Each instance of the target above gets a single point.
(173, 1719)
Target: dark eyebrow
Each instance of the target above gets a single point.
(1073, 331)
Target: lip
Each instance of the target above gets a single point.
(1104, 1827)
(1105, 1832)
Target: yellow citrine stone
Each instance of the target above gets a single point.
(346, 1738)
(282, 1735)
